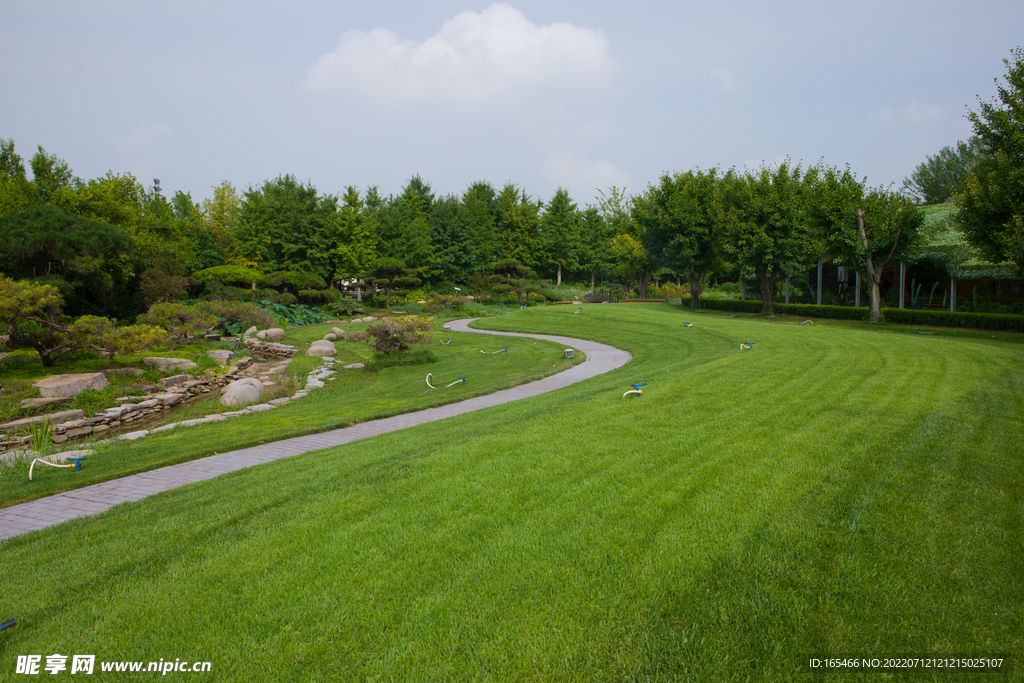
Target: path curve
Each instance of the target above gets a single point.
(92, 500)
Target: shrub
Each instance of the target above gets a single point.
(345, 306)
(237, 275)
(317, 296)
(183, 323)
(234, 316)
(285, 299)
(296, 280)
(391, 335)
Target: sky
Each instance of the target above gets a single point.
(583, 95)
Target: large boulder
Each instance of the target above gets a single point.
(274, 334)
(165, 364)
(241, 392)
(71, 385)
(321, 348)
(222, 356)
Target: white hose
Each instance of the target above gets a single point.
(504, 348)
(632, 391)
(745, 346)
(428, 381)
(45, 462)
(806, 322)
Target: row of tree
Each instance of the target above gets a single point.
(112, 246)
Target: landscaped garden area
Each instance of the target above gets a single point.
(836, 489)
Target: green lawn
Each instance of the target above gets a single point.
(832, 491)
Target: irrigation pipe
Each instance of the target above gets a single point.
(47, 462)
(746, 345)
(635, 390)
(447, 342)
(503, 348)
(8, 624)
(460, 379)
(806, 322)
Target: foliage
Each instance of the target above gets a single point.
(238, 275)
(560, 230)
(871, 229)
(87, 254)
(942, 177)
(634, 261)
(287, 225)
(234, 316)
(392, 335)
(992, 207)
(158, 285)
(679, 220)
(345, 306)
(390, 275)
(184, 323)
(293, 280)
(294, 314)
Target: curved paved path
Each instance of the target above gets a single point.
(92, 500)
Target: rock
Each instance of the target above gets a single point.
(330, 336)
(321, 348)
(274, 334)
(165, 364)
(369, 319)
(175, 380)
(241, 392)
(168, 398)
(337, 330)
(251, 330)
(52, 418)
(262, 334)
(42, 402)
(280, 401)
(222, 356)
(67, 455)
(131, 436)
(121, 372)
(354, 366)
(212, 337)
(145, 388)
(71, 385)
(262, 407)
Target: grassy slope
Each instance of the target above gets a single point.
(831, 491)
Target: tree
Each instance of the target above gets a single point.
(871, 229)
(288, 225)
(85, 254)
(596, 237)
(15, 189)
(634, 262)
(764, 229)
(404, 226)
(514, 276)
(516, 225)
(942, 176)
(991, 211)
(355, 244)
(392, 276)
(680, 218)
(31, 315)
(561, 233)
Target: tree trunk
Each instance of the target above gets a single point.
(645, 277)
(558, 282)
(767, 281)
(876, 299)
(694, 290)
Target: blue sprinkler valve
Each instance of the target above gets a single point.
(78, 462)
(637, 386)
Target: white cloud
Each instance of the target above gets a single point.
(915, 112)
(140, 140)
(724, 79)
(582, 176)
(487, 56)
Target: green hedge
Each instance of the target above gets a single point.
(902, 316)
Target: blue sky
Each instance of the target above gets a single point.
(581, 95)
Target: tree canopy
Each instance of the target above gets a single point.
(992, 207)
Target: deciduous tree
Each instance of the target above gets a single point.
(992, 206)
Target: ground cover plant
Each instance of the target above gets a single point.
(830, 490)
(352, 397)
